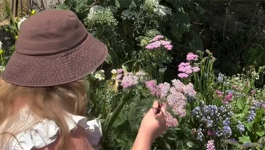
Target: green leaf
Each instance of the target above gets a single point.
(62, 6)
(110, 120)
(248, 125)
(167, 145)
(199, 9)
(117, 3)
(180, 24)
(145, 93)
(244, 139)
(196, 42)
(127, 3)
(261, 133)
(240, 104)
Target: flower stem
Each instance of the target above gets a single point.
(112, 118)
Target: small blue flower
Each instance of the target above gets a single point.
(226, 122)
(231, 114)
(219, 134)
(240, 127)
(245, 145)
(220, 77)
(209, 123)
(227, 131)
(230, 91)
(252, 114)
(204, 119)
(199, 134)
(206, 109)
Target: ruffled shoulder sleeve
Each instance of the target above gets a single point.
(46, 131)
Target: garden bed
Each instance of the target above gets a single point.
(163, 57)
(6, 38)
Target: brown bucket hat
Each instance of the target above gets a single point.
(53, 48)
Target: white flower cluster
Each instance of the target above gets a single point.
(160, 10)
(96, 9)
(99, 15)
(1, 45)
(114, 71)
(151, 4)
(128, 14)
(2, 68)
(99, 76)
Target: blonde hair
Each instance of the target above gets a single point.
(50, 103)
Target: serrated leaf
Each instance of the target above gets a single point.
(240, 104)
(261, 133)
(248, 125)
(180, 24)
(196, 42)
(244, 139)
(200, 9)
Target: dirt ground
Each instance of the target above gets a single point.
(1, 13)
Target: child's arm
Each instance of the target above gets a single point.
(152, 126)
(142, 141)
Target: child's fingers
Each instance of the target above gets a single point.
(155, 104)
(163, 109)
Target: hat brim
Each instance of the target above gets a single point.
(58, 69)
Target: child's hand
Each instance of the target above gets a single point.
(154, 122)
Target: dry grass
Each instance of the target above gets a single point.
(2, 13)
(22, 9)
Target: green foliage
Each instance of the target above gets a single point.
(122, 24)
(128, 26)
(231, 31)
(80, 7)
(256, 55)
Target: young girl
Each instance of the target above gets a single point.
(43, 94)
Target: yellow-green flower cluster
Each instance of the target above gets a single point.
(114, 73)
(1, 51)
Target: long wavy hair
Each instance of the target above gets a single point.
(52, 103)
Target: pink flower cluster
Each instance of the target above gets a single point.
(119, 74)
(219, 93)
(156, 42)
(210, 145)
(129, 80)
(186, 69)
(191, 57)
(171, 121)
(228, 98)
(173, 94)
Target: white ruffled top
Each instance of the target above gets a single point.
(45, 132)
